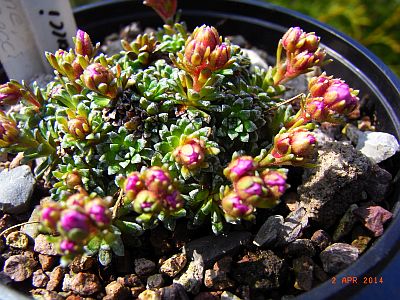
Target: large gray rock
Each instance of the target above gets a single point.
(16, 188)
(343, 176)
(211, 248)
(337, 257)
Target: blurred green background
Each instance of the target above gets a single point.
(374, 23)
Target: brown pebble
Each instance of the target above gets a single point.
(84, 284)
(20, 267)
(144, 266)
(47, 261)
(131, 280)
(44, 246)
(56, 277)
(173, 265)
(17, 239)
(40, 279)
(81, 263)
(149, 295)
(116, 291)
(321, 239)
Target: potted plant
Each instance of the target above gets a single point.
(177, 111)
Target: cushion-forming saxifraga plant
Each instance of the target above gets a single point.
(176, 125)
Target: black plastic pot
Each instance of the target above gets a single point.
(262, 25)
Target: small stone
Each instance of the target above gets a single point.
(56, 277)
(346, 223)
(174, 292)
(76, 297)
(269, 232)
(44, 246)
(173, 265)
(374, 217)
(18, 240)
(81, 263)
(46, 295)
(192, 279)
(149, 295)
(229, 296)
(40, 279)
(321, 239)
(47, 261)
(301, 247)
(116, 291)
(131, 280)
(262, 270)
(16, 189)
(214, 247)
(361, 243)
(144, 266)
(217, 280)
(20, 267)
(294, 224)
(32, 230)
(378, 146)
(303, 268)
(255, 58)
(84, 284)
(155, 281)
(337, 257)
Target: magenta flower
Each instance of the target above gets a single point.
(99, 213)
(98, 78)
(10, 94)
(299, 142)
(235, 207)
(67, 246)
(173, 201)
(191, 154)
(157, 180)
(50, 216)
(133, 185)
(251, 189)
(340, 98)
(73, 219)
(146, 202)
(275, 181)
(240, 166)
(291, 38)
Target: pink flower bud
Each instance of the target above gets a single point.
(316, 109)
(291, 38)
(164, 8)
(10, 94)
(235, 207)
(191, 153)
(275, 181)
(281, 145)
(79, 127)
(339, 98)
(319, 85)
(302, 143)
(133, 185)
(100, 79)
(50, 216)
(83, 44)
(99, 212)
(146, 202)
(196, 53)
(9, 131)
(206, 35)
(219, 57)
(309, 42)
(172, 201)
(67, 246)
(73, 219)
(251, 189)
(157, 180)
(73, 179)
(76, 200)
(240, 166)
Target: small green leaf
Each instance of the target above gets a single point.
(105, 257)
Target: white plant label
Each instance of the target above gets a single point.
(52, 23)
(18, 52)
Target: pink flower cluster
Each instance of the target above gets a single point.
(251, 190)
(77, 219)
(152, 191)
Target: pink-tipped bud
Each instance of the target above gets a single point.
(73, 219)
(318, 85)
(172, 201)
(67, 246)
(9, 131)
(98, 78)
(251, 189)
(191, 154)
(291, 38)
(219, 57)
(316, 109)
(309, 42)
(73, 179)
(83, 44)
(164, 8)
(157, 180)
(340, 98)
(50, 215)
(76, 200)
(146, 202)
(99, 212)
(275, 181)
(79, 127)
(239, 167)
(133, 185)
(302, 143)
(281, 145)
(235, 207)
(206, 35)
(10, 94)
(196, 53)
